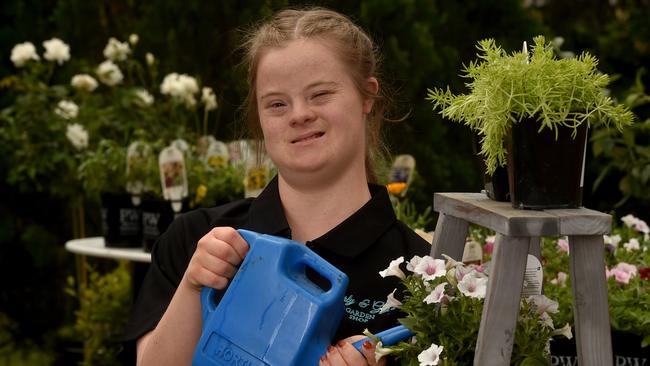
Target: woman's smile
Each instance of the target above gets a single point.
(307, 138)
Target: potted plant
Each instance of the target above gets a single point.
(443, 301)
(103, 176)
(533, 106)
(627, 258)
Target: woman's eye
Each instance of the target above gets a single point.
(321, 94)
(276, 105)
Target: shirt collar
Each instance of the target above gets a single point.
(359, 231)
(266, 212)
(348, 239)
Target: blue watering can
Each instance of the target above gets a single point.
(272, 313)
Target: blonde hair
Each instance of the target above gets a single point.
(355, 49)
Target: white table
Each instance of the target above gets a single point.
(96, 247)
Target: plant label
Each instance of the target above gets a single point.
(173, 176)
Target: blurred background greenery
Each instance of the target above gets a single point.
(424, 44)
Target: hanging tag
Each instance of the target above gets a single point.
(136, 169)
(241, 152)
(203, 144)
(532, 278)
(181, 145)
(401, 174)
(217, 155)
(473, 253)
(173, 176)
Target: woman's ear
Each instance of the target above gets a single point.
(372, 85)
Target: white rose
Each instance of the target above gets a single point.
(84, 82)
(133, 39)
(23, 52)
(209, 99)
(77, 135)
(180, 87)
(56, 50)
(116, 50)
(144, 97)
(109, 73)
(67, 109)
(150, 58)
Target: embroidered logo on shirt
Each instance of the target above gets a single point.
(362, 311)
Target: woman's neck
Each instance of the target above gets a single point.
(315, 210)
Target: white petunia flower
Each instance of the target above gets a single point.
(133, 39)
(473, 286)
(564, 331)
(84, 82)
(629, 220)
(436, 295)
(67, 109)
(391, 302)
(209, 98)
(144, 97)
(77, 135)
(381, 351)
(23, 52)
(612, 240)
(109, 73)
(631, 245)
(410, 265)
(393, 269)
(560, 280)
(116, 50)
(430, 356)
(641, 227)
(56, 50)
(543, 304)
(430, 268)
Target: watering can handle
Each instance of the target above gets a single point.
(388, 337)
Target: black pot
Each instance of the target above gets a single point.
(626, 348)
(496, 185)
(157, 215)
(121, 224)
(545, 172)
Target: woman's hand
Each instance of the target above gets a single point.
(344, 354)
(215, 261)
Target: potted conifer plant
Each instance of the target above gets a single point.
(532, 111)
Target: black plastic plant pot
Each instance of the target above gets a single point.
(121, 221)
(545, 172)
(496, 185)
(157, 215)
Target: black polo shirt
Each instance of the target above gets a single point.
(361, 246)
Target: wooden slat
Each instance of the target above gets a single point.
(582, 221)
(498, 216)
(587, 268)
(449, 237)
(501, 307)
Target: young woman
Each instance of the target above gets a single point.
(315, 105)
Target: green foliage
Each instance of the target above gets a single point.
(506, 89)
(407, 212)
(453, 319)
(104, 308)
(627, 153)
(210, 185)
(629, 303)
(104, 170)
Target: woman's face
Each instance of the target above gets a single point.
(311, 113)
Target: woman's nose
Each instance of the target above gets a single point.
(302, 113)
